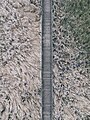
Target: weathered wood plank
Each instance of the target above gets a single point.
(46, 61)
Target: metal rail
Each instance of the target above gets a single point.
(46, 60)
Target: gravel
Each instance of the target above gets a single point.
(71, 61)
(20, 84)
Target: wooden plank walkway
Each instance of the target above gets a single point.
(46, 60)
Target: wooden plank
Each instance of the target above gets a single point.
(46, 61)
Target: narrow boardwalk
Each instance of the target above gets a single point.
(46, 61)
